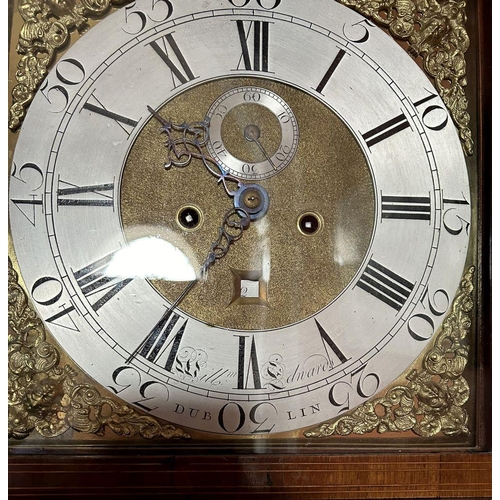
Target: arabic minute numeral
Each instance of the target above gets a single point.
(128, 378)
(47, 291)
(258, 415)
(358, 32)
(137, 20)
(32, 177)
(421, 326)
(365, 385)
(265, 4)
(69, 72)
(453, 222)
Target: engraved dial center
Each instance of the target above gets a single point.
(300, 251)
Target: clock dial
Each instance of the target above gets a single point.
(326, 297)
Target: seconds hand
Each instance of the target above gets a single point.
(252, 134)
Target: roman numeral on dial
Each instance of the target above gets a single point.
(99, 195)
(181, 72)
(248, 365)
(406, 207)
(125, 123)
(328, 341)
(386, 130)
(254, 56)
(385, 285)
(331, 70)
(162, 337)
(94, 281)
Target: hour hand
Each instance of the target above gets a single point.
(186, 141)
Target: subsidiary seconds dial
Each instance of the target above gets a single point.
(253, 132)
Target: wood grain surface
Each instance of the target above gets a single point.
(278, 477)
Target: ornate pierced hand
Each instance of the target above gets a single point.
(251, 201)
(186, 141)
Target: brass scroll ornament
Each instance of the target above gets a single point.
(432, 400)
(434, 31)
(47, 398)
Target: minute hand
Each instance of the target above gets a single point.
(235, 222)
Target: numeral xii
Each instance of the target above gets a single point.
(255, 52)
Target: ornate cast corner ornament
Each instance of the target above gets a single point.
(46, 397)
(46, 30)
(432, 401)
(435, 31)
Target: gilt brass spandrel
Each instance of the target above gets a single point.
(432, 398)
(47, 395)
(303, 273)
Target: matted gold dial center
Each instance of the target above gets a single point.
(299, 272)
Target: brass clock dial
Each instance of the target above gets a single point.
(334, 156)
